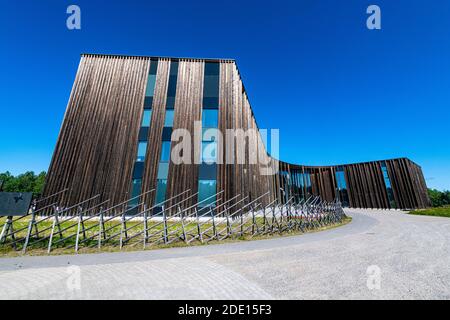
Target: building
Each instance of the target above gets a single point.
(116, 141)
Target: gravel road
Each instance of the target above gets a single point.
(379, 255)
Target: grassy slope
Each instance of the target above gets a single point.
(112, 246)
(439, 212)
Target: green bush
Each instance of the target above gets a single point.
(439, 198)
(26, 182)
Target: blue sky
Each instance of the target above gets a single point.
(338, 92)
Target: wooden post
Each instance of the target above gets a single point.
(165, 225)
(55, 222)
(254, 222)
(229, 230)
(264, 219)
(242, 224)
(30, 229)
(198, 227)
(77, 239)
(182, 224)
(5, 229)
(8, 229)
(214, 225)
(100, 229)
(145, 226)
(123, 230)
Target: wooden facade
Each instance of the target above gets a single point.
(365, 184)
(97, 145)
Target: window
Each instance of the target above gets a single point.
(341, 189)
(168, 120)
(150, 85)
(142, 149)
(207, 189)
(146, 118)
(161, 187)
(210, 118)
(136, 182)
(163, 170)
(172, 86)
(340, 179)
(209, 152)
(165, 151)
(135, 191)
(211, 89)
(387, 182)
(211, 85)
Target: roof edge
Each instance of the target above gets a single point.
(162, 57)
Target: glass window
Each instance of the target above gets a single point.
(150, 85)
(212, 69)
(165, 151)
(153, 66)
(387, 182)
(206, 189)
(209, 152)
(211, 87)
(174, 68)
(142, 149)
(135, 191)
(163, 170)
(161, 187)
(386, 176)
(168, 120)
(340, 178)
(210, 118)
(146, 118)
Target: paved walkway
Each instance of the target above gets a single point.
(380, 254)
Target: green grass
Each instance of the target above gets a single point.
(438, 212)
(40, 248)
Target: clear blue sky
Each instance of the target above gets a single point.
(339, 92)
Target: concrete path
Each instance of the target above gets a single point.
(379, 255)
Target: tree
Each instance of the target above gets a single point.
(439, 198)
(26, 182)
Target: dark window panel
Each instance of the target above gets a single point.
(148, 102)
(135, 191)
(173, 68)
(153, 66)
(172, 88)
(167, 133)
(170, 102)
(210, 103)
(137, 170)
(143, 134)
(207, 171)
(211, 86)
(212, 68)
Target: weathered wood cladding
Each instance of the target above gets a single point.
(365, 183)
(97, 144)
(235, 112)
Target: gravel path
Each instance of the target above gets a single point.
(379, 255)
